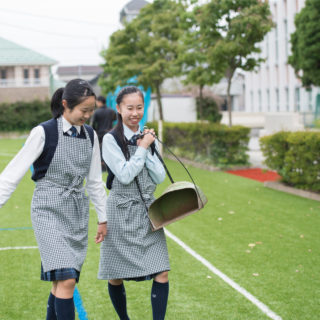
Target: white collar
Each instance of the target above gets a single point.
(128, 132)
(66, 125)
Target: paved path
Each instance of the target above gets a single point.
(255, 155)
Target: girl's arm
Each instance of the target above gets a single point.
(20, 164)
(155, 167)
(94, 183)
(124, 170)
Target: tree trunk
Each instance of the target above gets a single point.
(159, 102)
(230, 73)
(201, 102)
(160, 125)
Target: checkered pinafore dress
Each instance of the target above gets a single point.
(60, 208)
(131, 249)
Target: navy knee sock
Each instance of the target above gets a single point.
(159, 299)
(64, 309)
(51, 313)
(119, 300)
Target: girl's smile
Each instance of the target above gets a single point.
(131, 109)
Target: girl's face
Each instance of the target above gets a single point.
(131, 109)
(81, 112)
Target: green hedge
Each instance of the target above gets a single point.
(212, 143)
(295, 156)
(23, 115)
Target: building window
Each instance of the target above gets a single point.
(26, 76)
(286, 40)
(277, 100)
(3, 77)
(310, 99)
(260, 100)
(36, 76)
(285, 6)
(251, 96)
(287, 98)
(268, 99)
(297, 99)
(276, 44)
(267, 48)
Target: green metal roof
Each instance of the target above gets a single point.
(12, 54)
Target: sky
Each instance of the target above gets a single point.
(69, 31)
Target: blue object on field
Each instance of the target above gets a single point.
(18, 228)
(79, 306)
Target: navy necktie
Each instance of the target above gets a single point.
(133, 140)
(74, 131)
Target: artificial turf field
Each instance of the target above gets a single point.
(265, 240)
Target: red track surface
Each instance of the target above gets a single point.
(256, 174)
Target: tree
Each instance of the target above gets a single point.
(146, 48)
(305, 41)
(241, 24)
(194, 59)
(118, 66)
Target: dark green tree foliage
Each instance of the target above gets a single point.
(295, 156)
(305, 42)
(146, 48)
(119, 65)
(209, 108)
(194, 58)
(242, 24)
(22, 115)
(211, 142)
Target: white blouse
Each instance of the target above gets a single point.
(125, 170)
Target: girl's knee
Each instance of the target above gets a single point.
(65, 288)
(162, 277)
(116, 282)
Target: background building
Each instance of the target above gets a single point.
(274, 89)
(131, 10)
(24, 73)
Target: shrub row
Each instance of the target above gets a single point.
(295, 156)
(212, 143)
(23, 115)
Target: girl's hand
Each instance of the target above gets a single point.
(101, 232)
(148, 138)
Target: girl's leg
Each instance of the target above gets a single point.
(159, 295)
(118, 298)
(51, 312)
(64, 305)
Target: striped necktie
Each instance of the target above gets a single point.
(74, 131)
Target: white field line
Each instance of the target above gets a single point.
(7, 154)
(265, 309)
(17, 248)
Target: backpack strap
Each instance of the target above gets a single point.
(41, 165)
(110, 173)
(91, 133)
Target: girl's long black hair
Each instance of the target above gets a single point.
(75, 92)
(118, 129)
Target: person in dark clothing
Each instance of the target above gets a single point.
(102, 122)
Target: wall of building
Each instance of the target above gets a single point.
(274, 87)
(23, 94)
(175, 109)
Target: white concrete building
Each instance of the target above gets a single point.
(274, 89)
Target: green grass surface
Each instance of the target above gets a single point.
(281, 269)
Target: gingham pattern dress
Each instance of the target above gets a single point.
(60, 208)
(131, 249)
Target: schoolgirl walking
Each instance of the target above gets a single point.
(64, 151)
(131, 250)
